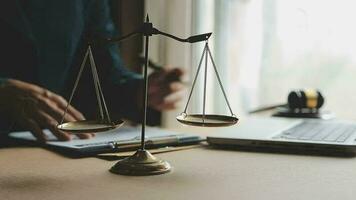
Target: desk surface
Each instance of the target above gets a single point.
(35, 173)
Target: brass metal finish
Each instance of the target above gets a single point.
(207, 120)
(142, 163)
(312, 98)
(89, 126)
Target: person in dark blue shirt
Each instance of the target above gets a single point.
(42, 44)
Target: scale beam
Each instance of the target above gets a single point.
(147, 29)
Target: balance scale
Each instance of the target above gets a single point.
(143, 162)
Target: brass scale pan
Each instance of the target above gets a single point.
(90, 126)
(203, 120)
(207, 120)
(86, 126)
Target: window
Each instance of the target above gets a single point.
(267, 48)
(263, 49)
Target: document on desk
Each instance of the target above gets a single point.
(119, 140)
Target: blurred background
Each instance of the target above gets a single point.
(262, 48)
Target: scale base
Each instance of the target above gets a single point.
(142, 163)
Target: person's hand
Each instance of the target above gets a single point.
(35, 108)
(165, 89)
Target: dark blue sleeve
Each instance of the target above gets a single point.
(120, 86)
(6, 122)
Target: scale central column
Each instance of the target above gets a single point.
(142, 162)
(145, 92)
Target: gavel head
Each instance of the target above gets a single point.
(307, 98)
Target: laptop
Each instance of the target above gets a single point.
(305, 136)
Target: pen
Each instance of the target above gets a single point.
(120, 155)
(156, 67)
(151, 142)
(132, 143)
(158, 141)
(95, 147)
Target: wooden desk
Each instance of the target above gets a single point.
(35, 173)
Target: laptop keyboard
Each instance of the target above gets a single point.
(320, 131)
